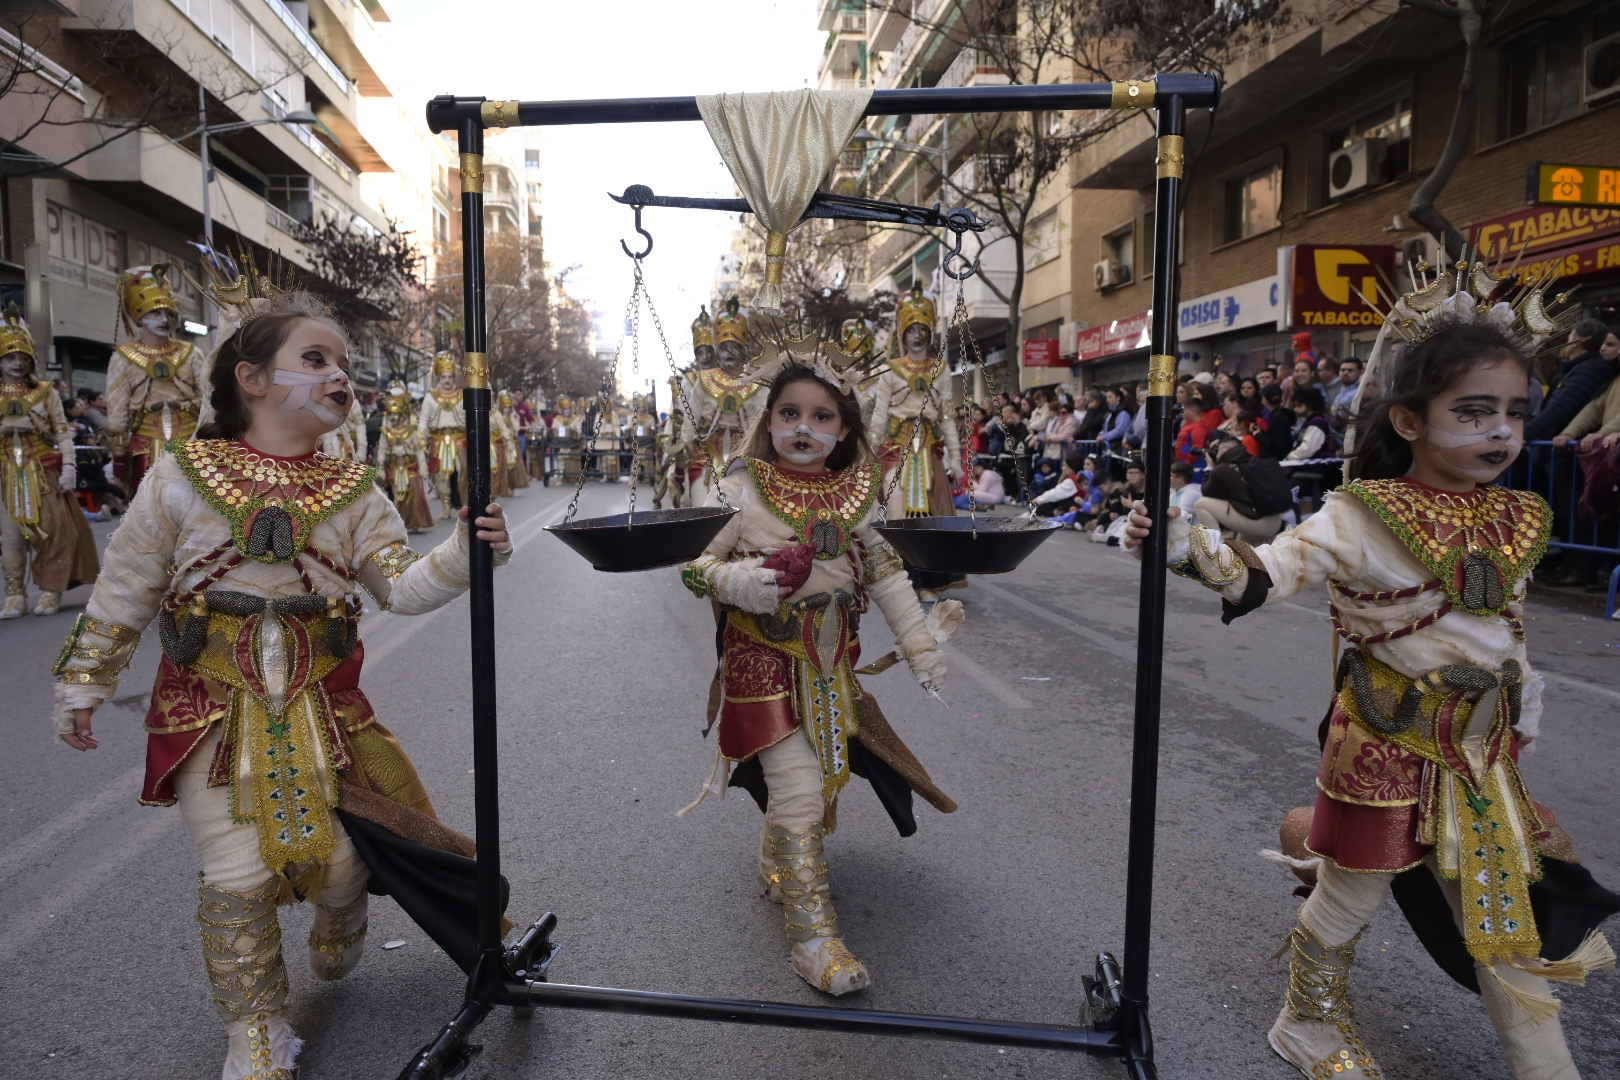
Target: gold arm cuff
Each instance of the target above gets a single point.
(472, 173)
(1172, 156)
(478, 370)
(102, 664)
(496, 114)
(1161, 375)
(394, 559)
(881, 561)
(1134, 94)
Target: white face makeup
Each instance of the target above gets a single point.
(309, 378)
(15, 365)
(1475, 428)
(805, 425)
(157, 323)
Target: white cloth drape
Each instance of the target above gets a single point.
(779, 148)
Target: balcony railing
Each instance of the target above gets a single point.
(311, 46)
(302, 133)
(280, 219)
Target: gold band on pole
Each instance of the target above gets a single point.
(1161, 375)
(472, 173)
(496, 114)
(1172, 157)
(478, 371)
(1133, 94)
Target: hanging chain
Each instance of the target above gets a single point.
(632, 311)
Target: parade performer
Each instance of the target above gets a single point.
(791, 573)
(914, 421)
(500, 455)
(251, 551)
(516, 469)
(347, 441)
(566, 451)
(399, 456)
(442, 424)
(156, 384)
(40, 519)
(855, 338)
(672, 477)
(1426, 563)
(723, 402)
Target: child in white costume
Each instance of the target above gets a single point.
(251, 550)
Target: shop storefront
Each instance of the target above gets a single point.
(1579, 245)
(1232, 330)
(1114, 353)
(1329, 291)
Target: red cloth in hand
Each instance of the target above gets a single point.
(792, 565)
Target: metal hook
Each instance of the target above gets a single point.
(645, 235)
(971, 267)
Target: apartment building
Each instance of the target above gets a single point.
(261, 65)
(1300, 189)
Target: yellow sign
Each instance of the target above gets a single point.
(1561, 184)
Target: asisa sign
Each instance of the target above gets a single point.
(1255, 303)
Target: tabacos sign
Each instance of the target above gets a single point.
(1331, 285)
(1255, 303)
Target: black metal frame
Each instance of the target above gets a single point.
(1115, 1013)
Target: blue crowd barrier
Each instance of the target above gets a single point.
(1556, 475)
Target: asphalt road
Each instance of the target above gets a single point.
(997, 910)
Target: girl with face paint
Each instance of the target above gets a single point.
(792, 571)
(1426, 561)
(255, 554)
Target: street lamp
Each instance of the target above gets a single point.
(300, 117)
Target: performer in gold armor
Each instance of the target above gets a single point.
(156, 384)
(254, 565)
(672, 476)
(722, 397)
(442, 424)
(512, 427)
(40, 517)
(914, 419)
(347, 441)
(401, 460)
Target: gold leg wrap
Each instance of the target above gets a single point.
(337, 939)
(16, 602)
(800, 878)
(799, 882)
(241, 939)
(1317, 1029)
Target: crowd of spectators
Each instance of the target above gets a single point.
(1255, 452)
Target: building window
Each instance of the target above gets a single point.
(531, 158)
(1119, 250)
(1041, 240)
(1539, 79)
(1392, 125)
(1252, 203)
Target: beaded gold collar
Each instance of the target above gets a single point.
(820, 508)
(919, 375)
(729, 390)
(20, 399)
(1478, 545)
(447, 398)
(240, 483)
(161, 362)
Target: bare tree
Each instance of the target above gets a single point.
(72, 93)
(1004, 163)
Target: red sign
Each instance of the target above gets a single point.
(1541, 228)
(1110, 338)
(1043, 353)
(1333, 285)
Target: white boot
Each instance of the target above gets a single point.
(49, 603)
(261, 1047)
(1316, 1030)
(241, 940)
(15, 606)
(818, 954)
(337, 939)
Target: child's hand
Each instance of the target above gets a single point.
(492, 527)
(80, 737)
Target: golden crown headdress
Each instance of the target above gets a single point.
(914, 309)
(143, 290)
(445, 364)
(831, 364)
(730, 325)
(702, 329)
(398, 401)
(244, 290)
(856, 338)
(15, 336)
(505, 399)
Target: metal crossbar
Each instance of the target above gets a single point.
(1116, 1002)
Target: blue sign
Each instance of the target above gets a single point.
(1251, 304)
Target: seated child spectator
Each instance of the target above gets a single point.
(1109, 524)
(1243, 495)
(1184, 490)
(1061, 496)
(1047, 475)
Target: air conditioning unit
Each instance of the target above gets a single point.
(1419, 251)
(1355, 166)
(1600, 68)
(1108, 273)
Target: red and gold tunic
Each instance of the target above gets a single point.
(915, 420)
(155, 395)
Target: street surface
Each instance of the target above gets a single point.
(997, 910)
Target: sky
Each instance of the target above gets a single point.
(550, 50)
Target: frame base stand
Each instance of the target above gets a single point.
(516, 978)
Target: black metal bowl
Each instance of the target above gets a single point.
(653, 538)
(993, 544)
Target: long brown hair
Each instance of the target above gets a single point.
(256, 342)
(851, 450)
